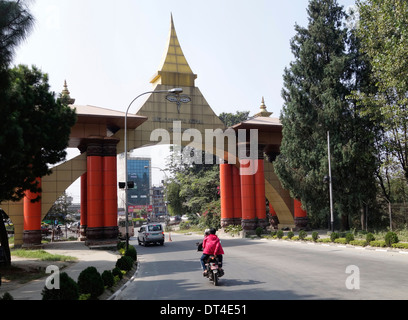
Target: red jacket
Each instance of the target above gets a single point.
(212, 245)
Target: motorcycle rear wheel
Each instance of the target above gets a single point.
(215, 279)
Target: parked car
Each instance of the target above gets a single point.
(151, 233)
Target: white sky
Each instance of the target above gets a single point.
(108, 51)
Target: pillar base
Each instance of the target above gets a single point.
(263, 223)
(31, 238)
(248, 225)
(82, 233)
(101, 235)
(301, 222)
(111, 233)
(227, 222)
(94, 233)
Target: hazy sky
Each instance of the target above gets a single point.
(108, 51)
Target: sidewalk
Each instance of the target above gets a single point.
(100, 259)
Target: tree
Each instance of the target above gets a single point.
(230, 119)
(383, 30)
(316, 87)
(36, 129)
(4, 239)
(192, 188)
(15, 23)
(60, 209)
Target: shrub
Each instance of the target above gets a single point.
(233, 229)
(90, 281)
(131, 252)
(290, 235)
(400, 245)
(349, 237)
(125, 263)
(85, 296)
(7, 296)
(315, 236)
(362, 243)
(340, 240)
(378, 243)
(369, 237)
(279, 234)
(334, 236)
(108, 279)
(302, 234)
(117, 273)
(121, 245)
(68, 290)
(391, 238)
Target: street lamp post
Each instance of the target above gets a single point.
(175, 91)
(330, 184)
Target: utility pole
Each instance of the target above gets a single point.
(330, 183)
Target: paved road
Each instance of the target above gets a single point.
(268, 270)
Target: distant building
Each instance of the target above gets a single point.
(158, 201)
(139, 171)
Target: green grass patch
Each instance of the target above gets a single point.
(41, 255)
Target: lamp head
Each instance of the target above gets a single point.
(176, 90)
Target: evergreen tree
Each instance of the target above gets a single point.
(316, 87)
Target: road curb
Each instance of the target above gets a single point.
(118, 292)
(390, 250)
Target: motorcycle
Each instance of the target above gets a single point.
(214, 272)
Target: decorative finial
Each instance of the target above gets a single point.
(263, 112)
(263, 106)
(65, 94)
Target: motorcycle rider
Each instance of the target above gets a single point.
(211, 246)
(200, 244)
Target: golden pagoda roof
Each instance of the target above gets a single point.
(174, 69)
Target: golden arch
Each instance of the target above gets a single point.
(157, 113)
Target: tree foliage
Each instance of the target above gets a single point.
(15, 23)
(326, 69)
(230, 119)
(383, 30)
(36, 129)
(35, 125)
(193, 188)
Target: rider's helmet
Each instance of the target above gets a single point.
(213, 231)
(207, 232)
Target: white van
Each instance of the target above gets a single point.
(151, 233)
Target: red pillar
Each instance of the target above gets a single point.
(110, 198)
(226, 193)
(236, 187)
(84, 206)
(260, 200)
(300, 214)
(94, 191)
(32, 218)
(247, 199)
